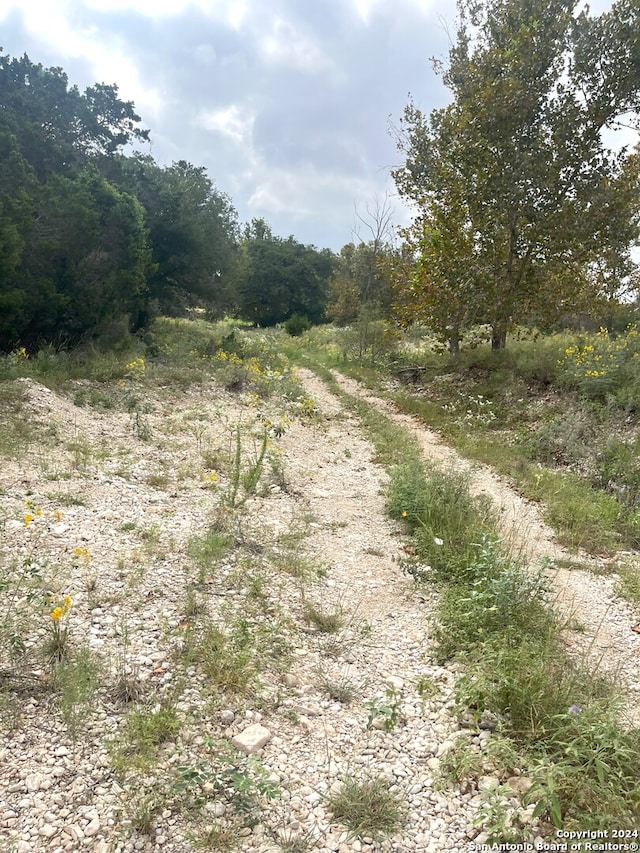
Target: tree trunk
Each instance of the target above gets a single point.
(454, 345)
(498, 337)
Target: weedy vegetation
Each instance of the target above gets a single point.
(559, 722)
(367, 807)
(534, 412)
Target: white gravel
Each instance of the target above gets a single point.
(140, 503)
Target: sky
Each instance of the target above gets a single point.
(289, 104)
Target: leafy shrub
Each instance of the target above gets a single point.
(597, 365)
(618, 470)
(297, 324)
(498, 597)
(565, 440)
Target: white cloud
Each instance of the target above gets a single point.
(364, 8)
(234, 11)
(367, 8)
(53, 23)
(302, 193)
(231, 122)
(286, 46)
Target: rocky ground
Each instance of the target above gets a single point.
(118, 504)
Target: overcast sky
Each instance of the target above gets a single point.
(287, 103)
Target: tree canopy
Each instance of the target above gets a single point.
(517, 194)
(279, 278)
(74, 255)
(95, 236)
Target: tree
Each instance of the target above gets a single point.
(86, 264)
(18, 185)
(193, 233)
(73, 254)
(58, 129)
(279, 278)
(516, 165)
(359, 280)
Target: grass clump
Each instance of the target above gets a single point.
(226, 658)
(136, 748)
(628, 586)
(209, 549)
(340, 688)
(76, 680)
(366, 806)
(326, 621)
(448, 523)
(584, 517)
(496, 597)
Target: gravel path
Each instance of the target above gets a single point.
(604, 634)
(139, 502)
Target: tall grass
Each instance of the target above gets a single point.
(495, 618)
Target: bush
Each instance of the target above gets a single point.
(599, 366)
(497, 598)
(618, 471)
(297, 324)
(565, 440)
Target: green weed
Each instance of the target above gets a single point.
(145, 730)
(385, 709)
(76, 680)
(240, 780)
(448, 524)
(208, 550)
(628, 586)
(324, 620)
(228, 659)
(367, 807)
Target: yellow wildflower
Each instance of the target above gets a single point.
(82, 553)
(28, 518)
(57, 613)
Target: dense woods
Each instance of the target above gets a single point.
(97, 238)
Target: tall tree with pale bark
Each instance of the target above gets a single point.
(516, 191)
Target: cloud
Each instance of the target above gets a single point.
(287, 104)
(286, 46)
(230, 122)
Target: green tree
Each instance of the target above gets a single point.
(18, 187)
(86, 264)
(278, 278)
(360, 280)
(518, 160)
(73, 253)
(193, 232)
(57, 127)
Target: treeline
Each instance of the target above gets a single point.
(95, 241)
